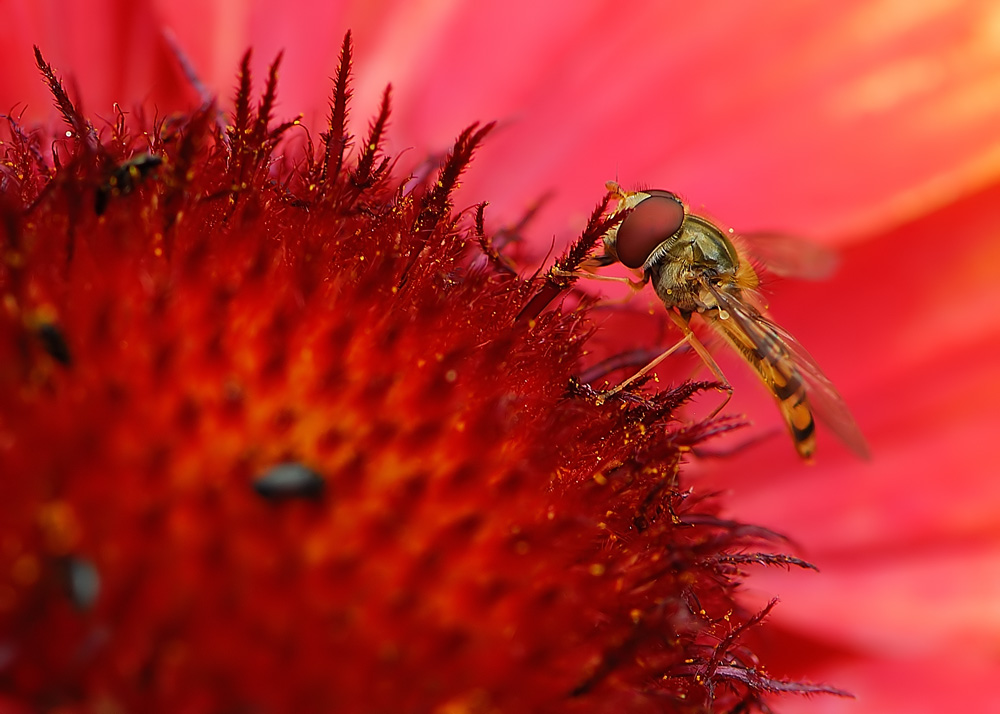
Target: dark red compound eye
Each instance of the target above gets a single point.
(650, 223)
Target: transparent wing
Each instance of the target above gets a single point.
(789, 256)
(783, 359)
(829, 406)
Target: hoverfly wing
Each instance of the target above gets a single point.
(763, 351)
(789, 256)
(790, 373)
(827, 403)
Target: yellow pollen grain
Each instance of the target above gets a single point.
(60, 527)
(597, 569)
(600, 479)
(25, 570)
(315, 550)
(10, 304)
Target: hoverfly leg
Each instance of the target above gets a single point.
(652, 364)
(706, 357)
(728, 389)
(586, 272)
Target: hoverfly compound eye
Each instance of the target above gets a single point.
(653, 220)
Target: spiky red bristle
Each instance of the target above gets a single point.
(450, 524)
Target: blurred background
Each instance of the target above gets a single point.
(870, 127)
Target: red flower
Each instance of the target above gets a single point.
(273, 440)
(865, 124)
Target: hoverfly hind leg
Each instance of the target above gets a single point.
(706, 357)
(690, 339)
(603, 396)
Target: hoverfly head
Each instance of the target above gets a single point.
(653, 221)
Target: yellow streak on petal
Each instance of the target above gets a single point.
(877, 21)
(956, 66)
(59, 526)
(889, 87)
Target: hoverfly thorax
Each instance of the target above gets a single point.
(708, 261)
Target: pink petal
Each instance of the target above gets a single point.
(908, 545)
(832, 120)
(108, 50)
(929, 684)
(820, 119)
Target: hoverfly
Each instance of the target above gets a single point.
(696, 268)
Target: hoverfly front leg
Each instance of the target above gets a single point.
(587, 270)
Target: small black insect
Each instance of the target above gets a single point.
(83, 583)
(54, 342)
(124, 179)
(290, 480)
